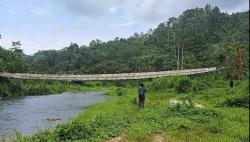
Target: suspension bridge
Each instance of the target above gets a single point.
(118, 76)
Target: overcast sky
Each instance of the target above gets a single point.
(53, 24)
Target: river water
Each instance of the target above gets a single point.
(29, 114)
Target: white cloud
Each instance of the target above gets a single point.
(112, 10)
(91, 8)
(38, 12)
(145, 10)
(130, 23)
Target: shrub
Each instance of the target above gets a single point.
(237, 101)
(239, 96)
(198, 85)
(183, 85)
(120, 83)
(121, 91)
(162, 83)
(74, 131)
(139, 132)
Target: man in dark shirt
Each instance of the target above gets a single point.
(231, 83)
(142, 90)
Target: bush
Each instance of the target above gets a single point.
(239, 96)
(101, 127)
(121, 91)
(200, 85)
(183, 85)
(139, 132)
(74, 131)
(163, 83)
(237, 101)
(120, 83)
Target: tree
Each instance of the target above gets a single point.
(16, 47)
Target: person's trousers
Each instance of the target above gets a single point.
(141, 102)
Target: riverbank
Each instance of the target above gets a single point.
(10, 88)
(222, 117)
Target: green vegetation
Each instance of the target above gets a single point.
(11, 61)
(205, 36)
(219, 120)
(17, 87)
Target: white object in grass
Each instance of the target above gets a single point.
(186, 102)
(174, 102)
(198, 105)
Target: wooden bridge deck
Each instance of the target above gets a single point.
(119, 76)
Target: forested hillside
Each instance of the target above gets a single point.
(203, 37)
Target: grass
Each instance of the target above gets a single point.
(222, 119)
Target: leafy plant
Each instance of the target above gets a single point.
(183, 85)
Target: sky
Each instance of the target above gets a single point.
(54, 24)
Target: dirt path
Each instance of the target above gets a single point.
(117, 139)
(158, 138)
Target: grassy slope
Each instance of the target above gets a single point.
(119, 116)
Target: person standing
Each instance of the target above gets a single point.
(142, 91)
(231, 85)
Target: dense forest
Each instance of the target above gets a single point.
(200, 37)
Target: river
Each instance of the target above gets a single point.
(30, 114)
